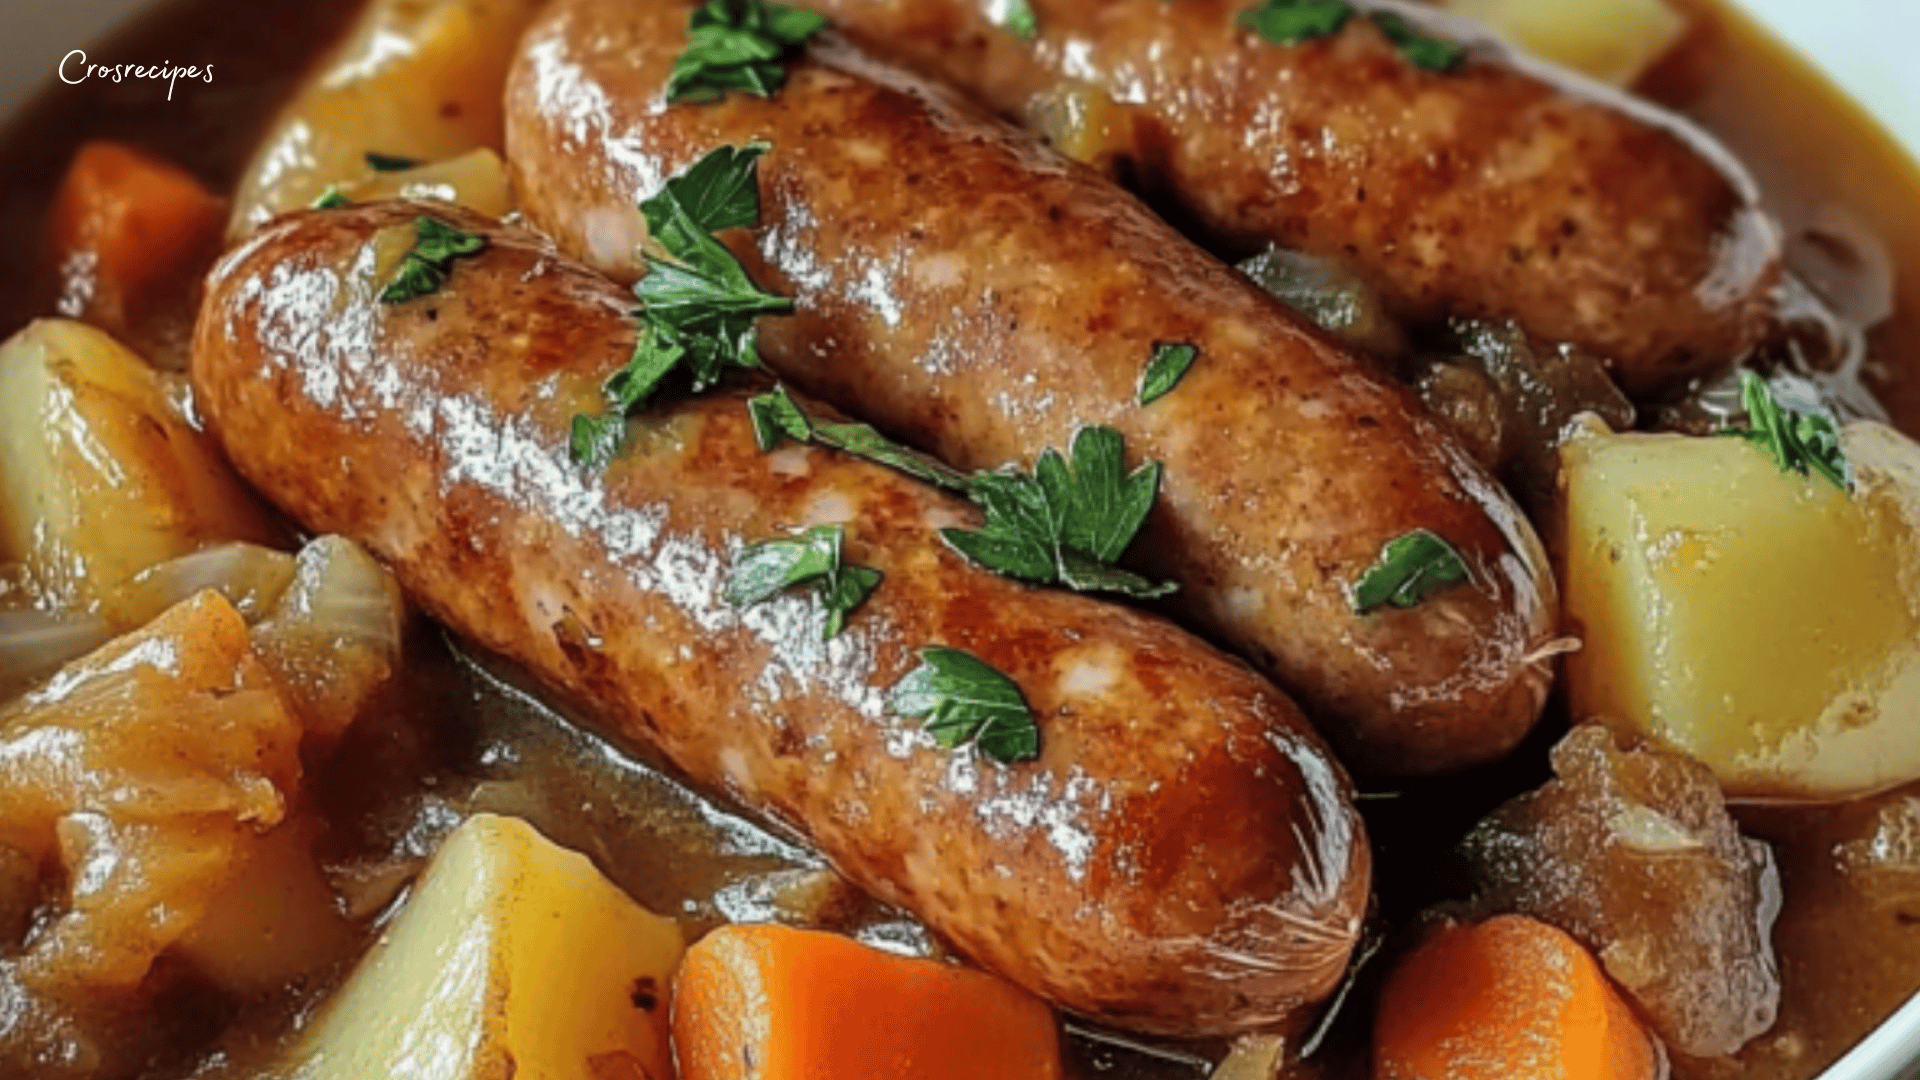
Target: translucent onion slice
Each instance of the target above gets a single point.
(251, 577)
(333, 637)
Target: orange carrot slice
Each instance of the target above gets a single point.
(774, 1003)
(132, 235)
(1507, 999)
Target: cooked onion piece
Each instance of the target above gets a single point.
(99, 477)
(1765, 622)
(333, 637)
(1632, 851)
(149, 771)
(250, 576)
(33, 643)
(413, 80)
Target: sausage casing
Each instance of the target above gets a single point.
(1182, 858)
(968, 291)
(1493, 190)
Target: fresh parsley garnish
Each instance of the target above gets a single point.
(391, 162)
(429, 263)
(811, 558)
(1796, 441)
(596, 440)
(332, 199)
(1165, 369)
(1419, 49)
(697, 297)
(697, 305)
(1289, 22)
(1412, 567)
(1017, 16)
(739, 45)
(777, 416)
(965, 700)
(1066, 523)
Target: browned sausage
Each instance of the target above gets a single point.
(1182, 857)
(969, 291)
(1491, 190)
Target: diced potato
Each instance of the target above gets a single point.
(513, 957)
(476, 180)
(1614, 41)
(1253, 1057)
(1764, 622)
(278, 920)
(148, 771)
(419, 79)
(99, 477)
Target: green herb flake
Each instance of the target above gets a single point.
(696, 294)
(777, 416)
(332, 199)
(1290, 22)
(1412, 567)
(391, 162)
(430, 262)
(1067, 523)
(1017, 16)
(597, 440)
(1422, 51)
(1797, 442)
(1165, 369)
(698, 307)
(812, 558)
(964, 699)
(740, 46)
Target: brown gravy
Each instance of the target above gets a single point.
(1849, 938)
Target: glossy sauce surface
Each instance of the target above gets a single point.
(1849, 937)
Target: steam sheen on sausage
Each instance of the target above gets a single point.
(1496, 189)
(967, 290)
(1182, 858)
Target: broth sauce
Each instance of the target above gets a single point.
(462, 737)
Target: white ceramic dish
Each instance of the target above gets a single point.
(1863, 45)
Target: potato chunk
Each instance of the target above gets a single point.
(1764, 622)
(514, 957)
(100, 478)
(419, 79)
(476, 180)
(1614, 41)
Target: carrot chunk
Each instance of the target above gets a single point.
(131, 237)
(775, 1003)
(1507, 999)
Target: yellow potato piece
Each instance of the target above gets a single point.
(100, 477)
(1614, 41)
(420, 79)
(513, 958)
(476, 180)
(1764, 622)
